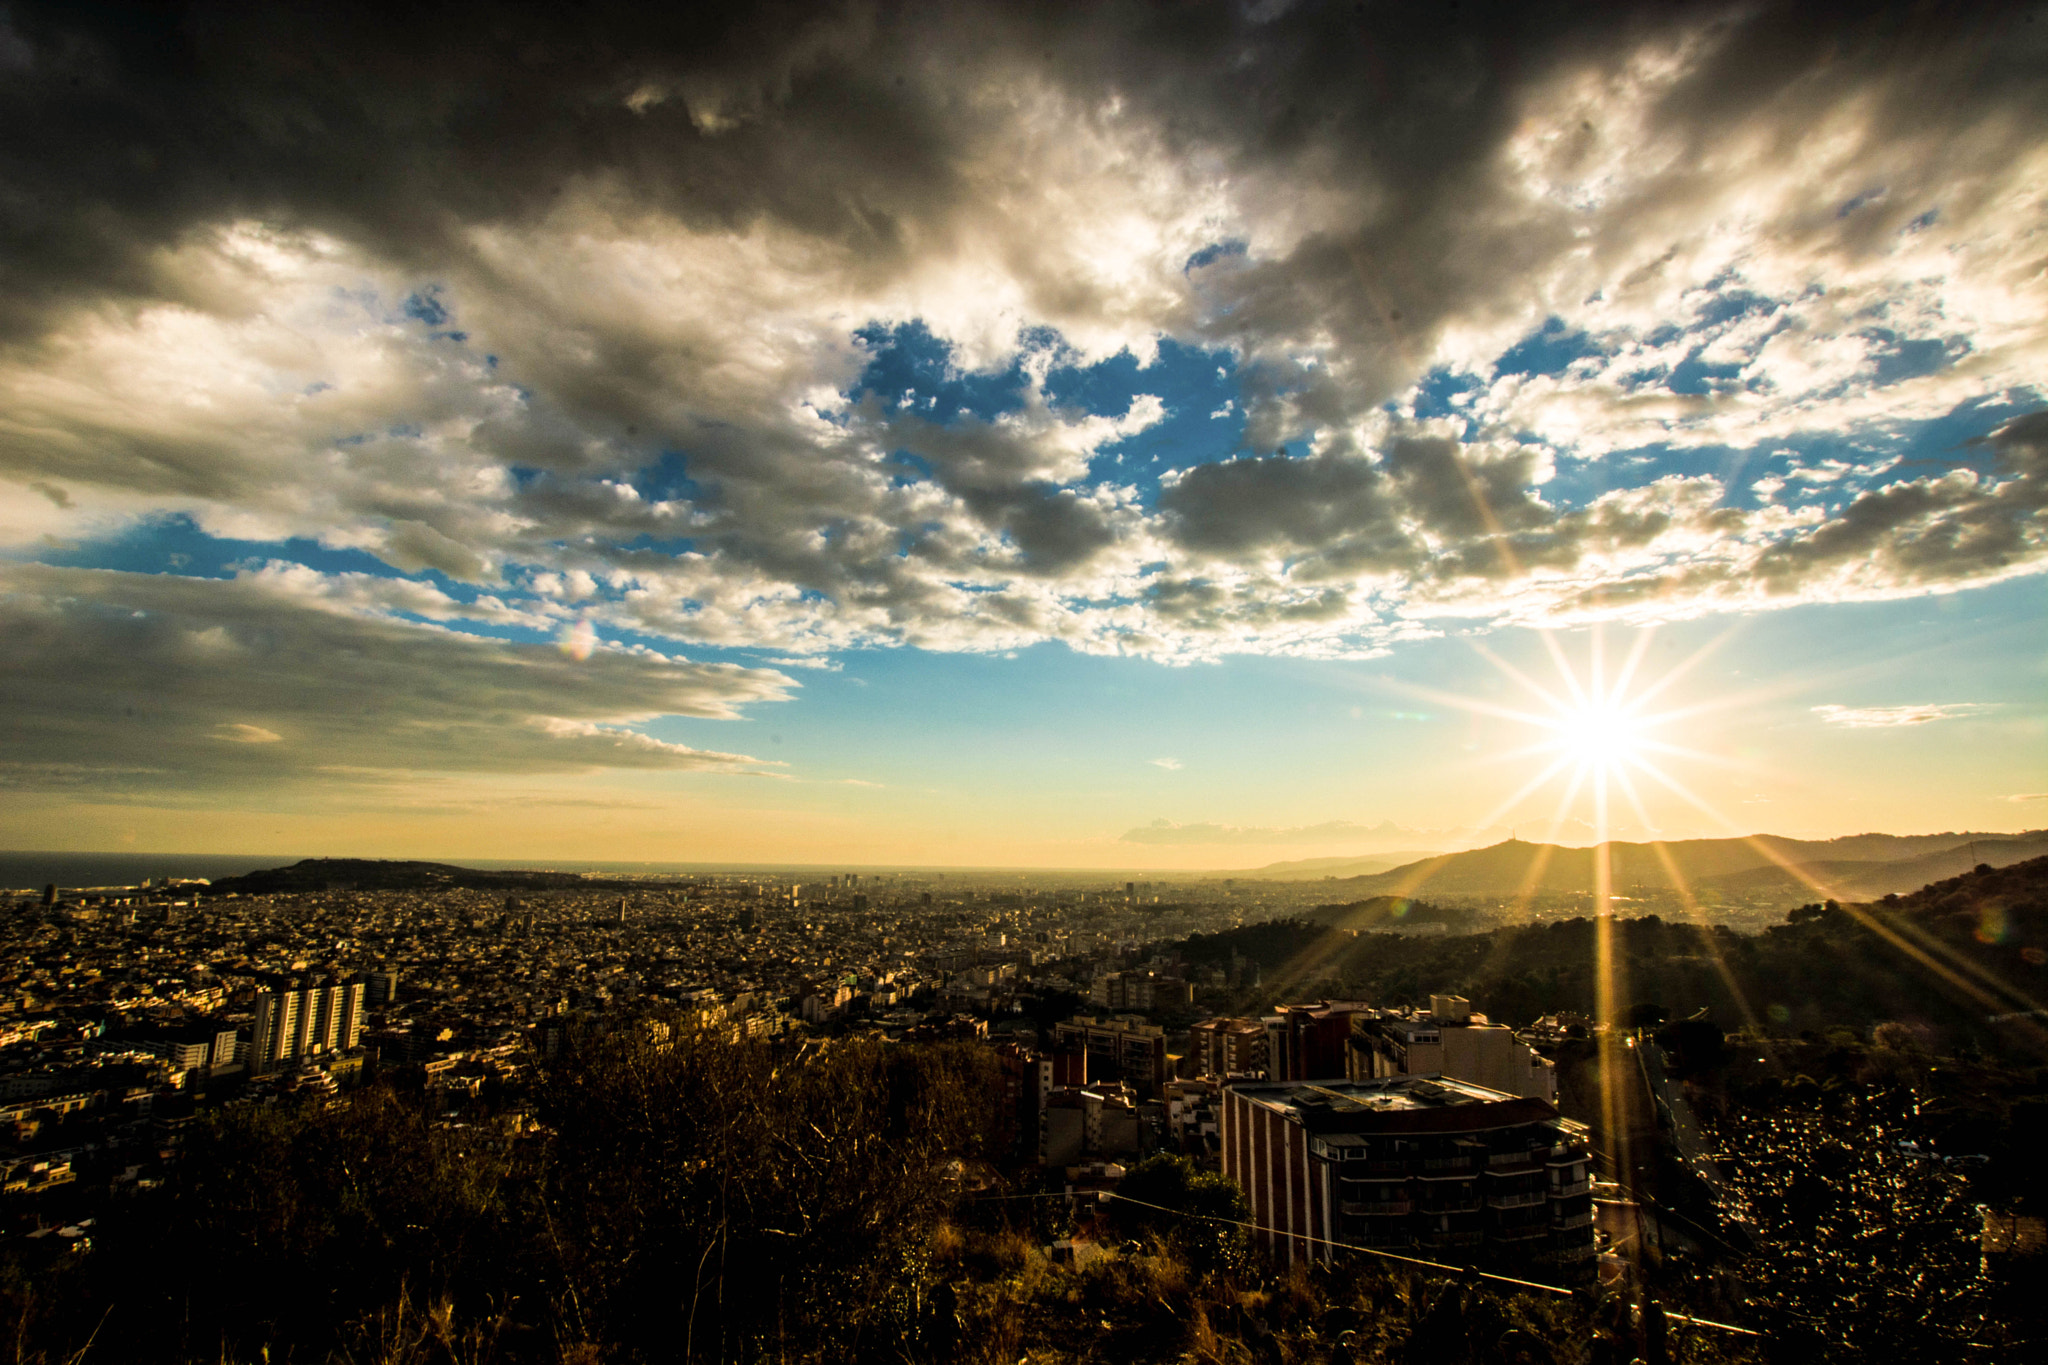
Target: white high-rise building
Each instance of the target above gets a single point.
(305, 1021)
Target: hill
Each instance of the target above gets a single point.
(1391, 914)
(1861, 866)
(1996, 907)
(1351, 865)
(1867, 881)
(375, 874)
(1964, 959)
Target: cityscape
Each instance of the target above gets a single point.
(1149, 1034)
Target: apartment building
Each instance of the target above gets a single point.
(1118, 1049)
(1439, 1169)
(1227, 1047)
(1304, 1042)
(305, 1021)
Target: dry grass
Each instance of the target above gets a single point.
(1142, 1303)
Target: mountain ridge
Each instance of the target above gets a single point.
(1762, 864)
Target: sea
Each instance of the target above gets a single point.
(34, 871)
(72, 871)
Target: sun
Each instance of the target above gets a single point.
(1603, 734)
(1600, 731)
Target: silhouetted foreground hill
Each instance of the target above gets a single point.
(1861, 866)
(704, 1201)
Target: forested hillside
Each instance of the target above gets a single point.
(1966, 958)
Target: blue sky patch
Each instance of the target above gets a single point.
(1550, 349)
(173, 543)
(425, 306)
(909, 367)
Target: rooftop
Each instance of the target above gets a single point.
(1433, 1104)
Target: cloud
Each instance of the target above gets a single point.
(1882, 717)
(2023, 797)
(240, 733)
(582, 313)
(131, 681)
(1170, 764)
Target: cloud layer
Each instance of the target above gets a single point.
(1890, 717)
(135, 683)
(795, 328)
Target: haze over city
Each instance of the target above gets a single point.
(1159, 437)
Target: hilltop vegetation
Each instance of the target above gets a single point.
(1963, 960)
(710, 1201)
(692, 1200)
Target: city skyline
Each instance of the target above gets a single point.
(1152, 440)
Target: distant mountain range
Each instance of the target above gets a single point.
(1857, 867)
(1314, 869)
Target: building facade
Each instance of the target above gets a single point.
(305, 1021)
(1140, 991)
(1227, 1047)
(1439, 1169)
(1449, 1040)
(1307, 1041)
(1118, 1049)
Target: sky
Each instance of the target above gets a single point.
(1123, 436)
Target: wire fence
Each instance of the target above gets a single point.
(1457, 1271)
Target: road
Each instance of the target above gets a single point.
(1686, 1137)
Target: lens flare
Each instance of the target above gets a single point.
(578, 640)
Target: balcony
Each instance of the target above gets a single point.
(1518, 1236)
(1570, 1188)
(1500, 1159)
(1526, 1200)
(1572, 1220)
(1447, 1163)
(1388, 1236)
(1438, 1240)
(1471, 1205)
(1375, 1208)
(1565, 1255)
(1565, 1155)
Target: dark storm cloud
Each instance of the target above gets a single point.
(1258, 503)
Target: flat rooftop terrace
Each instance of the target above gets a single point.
(1397, 1104)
